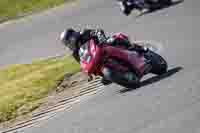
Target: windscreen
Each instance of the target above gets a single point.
(84, 53)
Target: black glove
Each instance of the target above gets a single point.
(98, 36)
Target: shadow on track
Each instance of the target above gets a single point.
(163, 7)
(154, 79)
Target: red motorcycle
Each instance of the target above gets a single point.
(118, 64)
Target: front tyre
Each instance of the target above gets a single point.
(124, 79)
(124, 8)
(105, 81)
(127, 12)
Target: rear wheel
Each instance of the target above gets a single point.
(159, 4)
(159, 65)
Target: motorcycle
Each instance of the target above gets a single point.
(127, 6)
(119, 64)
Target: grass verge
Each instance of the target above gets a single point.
(10, 9)
(24, 85)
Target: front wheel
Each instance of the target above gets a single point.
(159, 64)
(124, 79)
(104, 81)
(127, 12)
(124, 8)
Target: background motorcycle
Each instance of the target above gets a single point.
(127, 6)
(122, 66)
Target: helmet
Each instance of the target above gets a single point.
(69, 38)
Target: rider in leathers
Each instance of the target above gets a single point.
(75, 39)
(141, 5)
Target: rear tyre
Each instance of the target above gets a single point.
(159, 65)
(160, 4)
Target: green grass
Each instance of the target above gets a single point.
(13, 8)
(24, 85)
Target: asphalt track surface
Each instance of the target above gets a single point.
(169, 104)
